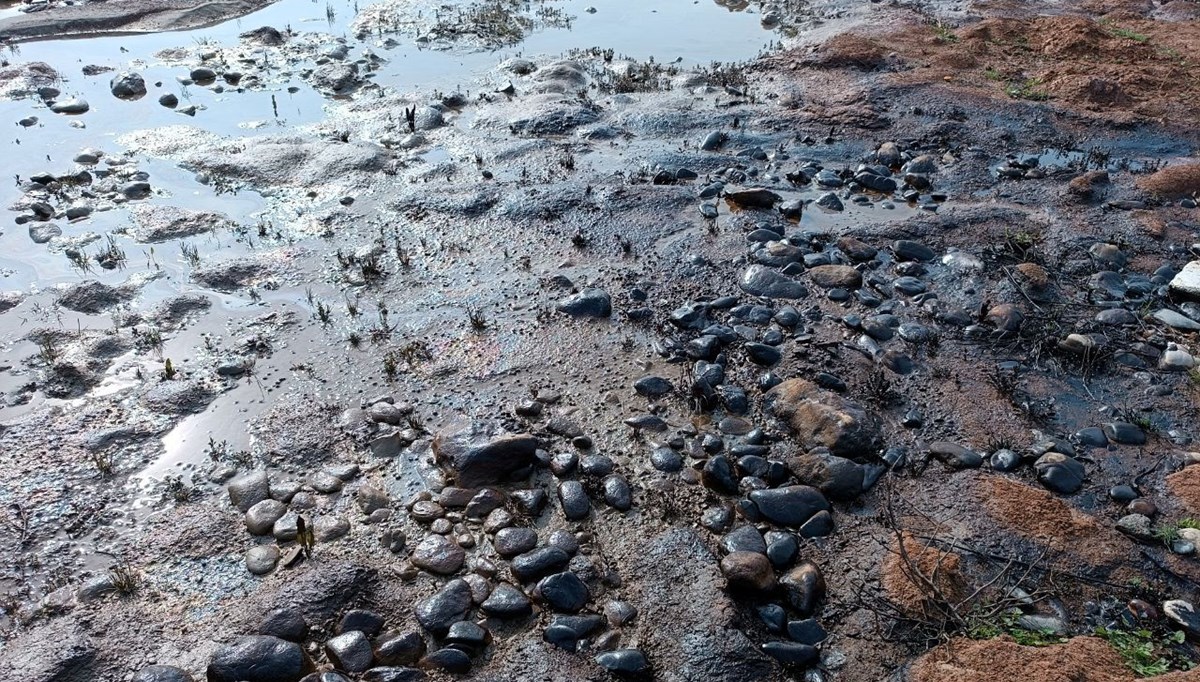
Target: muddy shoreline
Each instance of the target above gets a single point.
(868, 358)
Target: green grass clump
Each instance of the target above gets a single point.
(1009, 623)
(1027, 89)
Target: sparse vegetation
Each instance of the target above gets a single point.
(879, 389)
(191, 254)
(80, 260)
(111, 256)
(1009, 623)
(177, 489)
(944, 33)
(1144, 653)
(415, 352)
(148, 338)
(220, 451)
(477, 318)
(1128, 34)
(103, 462)
(1028, 89)
(48, 350)
(390, 365)
(125, 579)
(324, 313)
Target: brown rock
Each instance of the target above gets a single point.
(856, 249)
(1087, 186)
(818, 417)
(805, 587)
(835, 276)
(1006, 317)
(1034, 275)
(1143, 506)
(748, 572)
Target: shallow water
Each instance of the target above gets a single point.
(689, 33)
(694, 33)
(686, 32)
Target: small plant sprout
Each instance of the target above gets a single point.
(48, 350)
(104, 463)
(323, 313)
(390, 365)
(191, 254)
(477, 318)
(80, 260)
(126, 580)
(111, 256)
(305, 537)
(178, 490)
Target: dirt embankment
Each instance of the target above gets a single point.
(127, 16)
(1081, 659)
(1119, 66)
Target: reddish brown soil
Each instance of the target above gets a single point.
(851, 49)
(1039, 515)
(941, 569)
(1120, 66)
(1081, 659)
(1173, 181)
(1185, 485)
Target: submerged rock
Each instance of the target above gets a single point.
(128, 85)
(161, 673)
(74, 105)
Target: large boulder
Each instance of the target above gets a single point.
(58, 651)
(478, 460)
(820, 418)
(837, 477)
(789, 506)
(259, 658)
